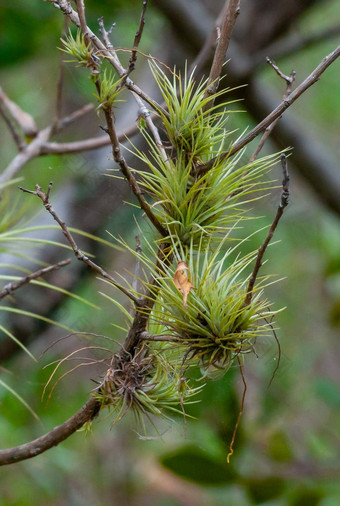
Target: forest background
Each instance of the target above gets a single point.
(287, 448)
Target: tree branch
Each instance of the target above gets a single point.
(23, 119)
(289, 83)
(136, 42)
(231, 11)
(28, 450)
(10, 287)
(11, 127)
(276, 113)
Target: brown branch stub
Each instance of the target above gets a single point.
(15, 285)
(28, 450)
(289, 79)
(283, 203)
(78, 253)
(106, 33)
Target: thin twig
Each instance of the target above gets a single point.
(140, 322)
(232, 10)
(24, 120)
(30, 151)
(10, 287)
(106, 33)
(276, 113)
(289, 83)
(73, 116)
(78, 253)
(82, 19)
(289, 79)
(11, 127)
(283, 203)
(58, 105)
(136, 42)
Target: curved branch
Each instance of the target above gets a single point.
(8, 289)
(28, 450)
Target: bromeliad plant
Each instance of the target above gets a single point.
(197, 299)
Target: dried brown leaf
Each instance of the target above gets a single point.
(182, 281)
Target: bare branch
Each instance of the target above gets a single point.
(289, 79)
(60, 148)
(82, 19)
(78, 253)
(10, 287)
(283, 203)
(73, 116)
(232, 10)
(11, 127)
(106, 34)
(28, 450)
(276, 113)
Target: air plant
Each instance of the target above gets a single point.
(80, 51)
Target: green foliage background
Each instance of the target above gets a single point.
(287, 448)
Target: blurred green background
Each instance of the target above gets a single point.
(287, 446)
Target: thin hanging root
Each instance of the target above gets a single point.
(279, 354)
(231, 450)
